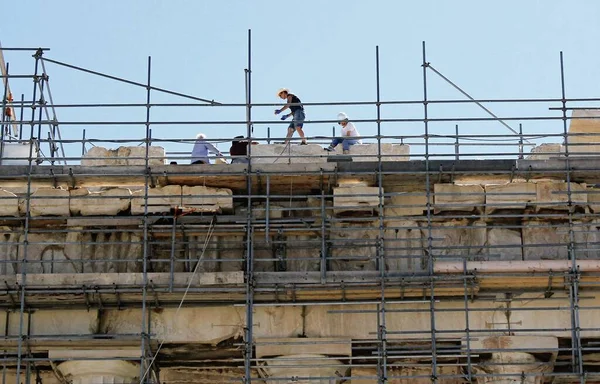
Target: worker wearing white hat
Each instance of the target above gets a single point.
(297, 113)
(349, 134)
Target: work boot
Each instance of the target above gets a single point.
(346, 151)
(304, 142)
(329, 149)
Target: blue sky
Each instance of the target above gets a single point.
(324, 51)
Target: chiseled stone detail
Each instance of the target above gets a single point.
(305, 369)
(403, 247)
(354, 246)
(509, 356)
(100, 372)
(108, 202)
(47, 201)
(99, 156)
(408, 375)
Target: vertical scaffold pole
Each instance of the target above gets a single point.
(248, 334)
(382, 331)
(431, 260)
(23, 285)
(145, 331)
(576, 353)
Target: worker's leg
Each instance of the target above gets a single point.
(334, 143)
(290, 133)
(299, 123)
(347, 143)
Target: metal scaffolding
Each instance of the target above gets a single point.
(459, 281)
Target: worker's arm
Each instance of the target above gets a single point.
(211, 148)
(286, 106)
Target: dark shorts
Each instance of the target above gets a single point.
(297, 120)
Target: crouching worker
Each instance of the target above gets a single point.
(201, 150)
(239, 150)
(348, 133)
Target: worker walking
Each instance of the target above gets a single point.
(201, 150)
(348, 133)
(297, 114)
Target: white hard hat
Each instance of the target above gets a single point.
(342, 116)
(282, 90)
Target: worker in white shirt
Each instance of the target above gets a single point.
(349, 134)
(201, 150)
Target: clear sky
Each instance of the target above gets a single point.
(324, 51)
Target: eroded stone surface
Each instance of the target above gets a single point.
(9, 204)
(160, 199)
(509, 196)
(584, 132)
(206, 199)
(305, 368)
(287, 154)
(369, 152)
(555, 195)
(451, 197)
(456, 239)
(404, 250)
(100, 372)
(354, 247)
(47, 201)
(546, 151)
(406, 204)
(407, 375)
(349, 199)
(108, 202)
(99, 156)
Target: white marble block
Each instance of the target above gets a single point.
(9, 204)
(554, 195)
(124, 156)
(206, 199)
(355, 198)
(160, 199)
(509, 196)
(451, 197)
(287, 154)
(47, 201)
(108, 202)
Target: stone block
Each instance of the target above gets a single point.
(509, 196)
(452, 197)
(456, 239)
(406, 204)
(408, 375)
(504, 244)
(584, 132)
(160, 199)
(403, 247)
(546, 151)
(303, 253)
(550, 240)
(350, 199)
(319, 368)
(290, 154)
(108, 202)
(369, 152)
(181, 375)
(9, 204)
(354, 246)
(553, 195)
(46, 201)
(593, 197)
(292, 345)
(259, 211)
(99, 156)
(206, 199)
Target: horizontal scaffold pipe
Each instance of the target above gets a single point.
(515, 266)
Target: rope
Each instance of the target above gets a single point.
(206, 241)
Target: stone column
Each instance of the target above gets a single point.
(508, 356)
(100, 372)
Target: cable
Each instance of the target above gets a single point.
(208, 236)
